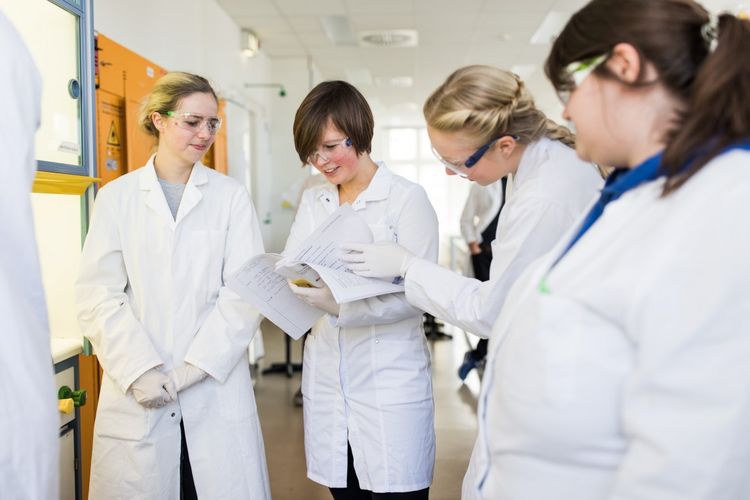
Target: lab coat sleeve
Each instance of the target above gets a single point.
(526, 231)
(224, 336)
(468, 215)
(686, 407)
(417, 231)
(122, 345)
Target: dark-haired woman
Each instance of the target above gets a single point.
(619, 365)
(366, 382)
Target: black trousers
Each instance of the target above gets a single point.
(187, 486)
(354, 492)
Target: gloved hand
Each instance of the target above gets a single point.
(320, 298)
(377, 260)
(153, 389)
(185, 376)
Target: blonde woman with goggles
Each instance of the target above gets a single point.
(483, 126)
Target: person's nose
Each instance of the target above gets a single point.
(203, 132)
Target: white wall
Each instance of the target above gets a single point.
(297, 77)
(199, 37)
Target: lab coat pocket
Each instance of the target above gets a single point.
(383, 231)
(120, 416)
(235, 396)
(544, 365)
(401, 370)
(207, 260)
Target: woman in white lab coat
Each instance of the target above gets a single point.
(366, 378)
(176, 415)
(618, 368)
(483, 125)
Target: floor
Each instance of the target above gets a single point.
(455, 420)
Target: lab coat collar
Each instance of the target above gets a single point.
(148, 181)
(535, 154)
(379, 189)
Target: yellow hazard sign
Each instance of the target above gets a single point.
(112, 138)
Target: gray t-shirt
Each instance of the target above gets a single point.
(173, 194)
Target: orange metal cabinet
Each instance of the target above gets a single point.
(125, 75)
(111, 139)
(217, 156)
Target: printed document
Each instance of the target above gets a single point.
(262, 280)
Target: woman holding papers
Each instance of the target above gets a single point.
(172, 339)
(483, 126)
(366, 380)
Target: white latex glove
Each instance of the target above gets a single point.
(185, 376)
(153, 389)
(377, 260)
(320, 298)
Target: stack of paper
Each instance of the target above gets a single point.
(262, 280)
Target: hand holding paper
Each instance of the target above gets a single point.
(320, 298)
(377, 260)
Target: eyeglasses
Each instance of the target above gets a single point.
(324, 153)
(461, 167)
(194, 122)
(577, 72)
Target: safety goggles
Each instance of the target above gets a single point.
(462, 167)
(576, 73)
(195, 122)
(325, 152)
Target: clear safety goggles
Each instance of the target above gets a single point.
(578, 72)
(462, 167)
(195, 122)
(325, 152)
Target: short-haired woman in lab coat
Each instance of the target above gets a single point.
(366, 382)
(176, 415)
(483, 125)
(619, 368)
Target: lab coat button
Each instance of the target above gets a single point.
(172, 414)
(377, 341)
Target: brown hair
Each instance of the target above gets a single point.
(344, 106)
(485, 102)
(674, 36)
(166, 95)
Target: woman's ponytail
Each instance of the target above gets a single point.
(718, 112)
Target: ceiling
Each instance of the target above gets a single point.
(452, 33)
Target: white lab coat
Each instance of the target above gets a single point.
(29, 462)
(630, 378)
(480, 209)
(366, 374)
(151, 292)
(550, 189)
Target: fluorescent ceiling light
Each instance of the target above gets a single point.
(358, 76)
(338, 30)
(551, 26)
(394, 81)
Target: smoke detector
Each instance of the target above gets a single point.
(387, 38)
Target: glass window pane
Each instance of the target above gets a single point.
(407, 170)
(402, 143)
(425, 147)
(40, 23)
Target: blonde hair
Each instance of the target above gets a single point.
(486, 102)
(166, 95)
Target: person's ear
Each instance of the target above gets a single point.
(506, 145)
(625, 63)
(158, 121)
